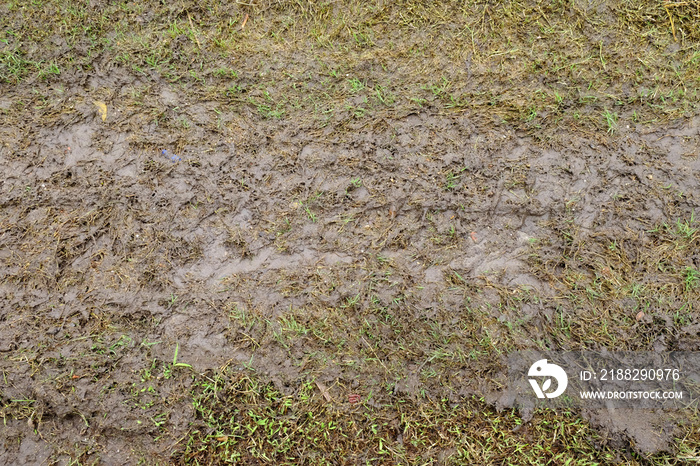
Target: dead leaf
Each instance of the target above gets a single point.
(324, 391)
(101, 108)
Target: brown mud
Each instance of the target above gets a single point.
(397, 255)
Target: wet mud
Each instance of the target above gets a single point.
(399, 251)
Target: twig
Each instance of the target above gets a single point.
(375, 354)
(670, 17)
(192, 28)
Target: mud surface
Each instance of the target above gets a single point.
(346, 253)
(99, 235)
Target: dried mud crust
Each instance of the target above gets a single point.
(389, 246)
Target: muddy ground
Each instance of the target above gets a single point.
(375, 201)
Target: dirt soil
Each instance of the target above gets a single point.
(375, 201)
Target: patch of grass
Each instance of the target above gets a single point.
(268, 108)
(452, 179)
(610, 120)
(692, 279)
(582, 76)
(169, 369)
(602, 274)
(48, 70)
(356, 85)
(244, 420)
(290, 324)
(684, 230)
(13, 66)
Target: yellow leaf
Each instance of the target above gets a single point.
(102, 108)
